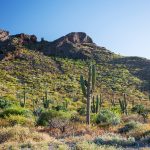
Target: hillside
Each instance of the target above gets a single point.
(139, 67)
(25, 60)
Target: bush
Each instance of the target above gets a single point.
(16, 111)
(4, 103)
(19, 119)
(141, 110)
(114, 140)
(129, 126)
(48, 115)
(60, 107)
(138, 109)
(81, 110)
(116, 110)
(107, 117)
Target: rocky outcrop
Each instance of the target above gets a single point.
(25, 38)
(77, 45)
(74, 38)
(4, 35)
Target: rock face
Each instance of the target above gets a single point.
(26, 39)
(74, 38)
(4, 35)
(77, 45)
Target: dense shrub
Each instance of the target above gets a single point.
(16, 111)
(47, 115)
(81, 110)
(116, 110)
(107, 117)
(4, 103)
(60, 107)
(129, 126)
(138, 109)
(19, 119)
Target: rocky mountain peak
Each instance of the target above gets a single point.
(75, 38)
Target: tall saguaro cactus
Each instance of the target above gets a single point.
(87, 87)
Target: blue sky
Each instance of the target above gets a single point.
(123, 26)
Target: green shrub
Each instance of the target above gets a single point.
(129, 126)
(60, 107)
(16, 111)
(107, 117)
(138, 109)
(4, 103)
(116, 110)
(94, 118)
(47, 115)
(19, 119)
(81, 110)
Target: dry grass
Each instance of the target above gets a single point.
(18, 136)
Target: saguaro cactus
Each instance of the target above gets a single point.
(123, 104)
(88, 89)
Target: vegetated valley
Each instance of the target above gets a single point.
(71, 94)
